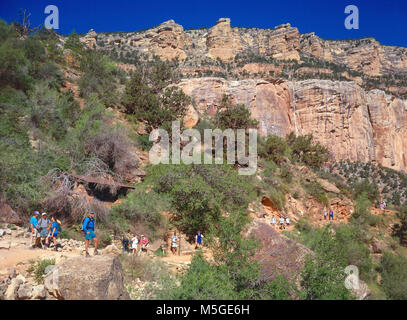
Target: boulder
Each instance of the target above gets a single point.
(111, 249)
(5, 245)
(362, 292)
(7, 214)
(328, 187)
(49, 269)
(12, 272)
(277, 255)
(377, 246)
(24, 291)
(39, 292)
(81, 278)
(11, 292)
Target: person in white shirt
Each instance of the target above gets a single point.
(134, 243)
(282, 223)
(273, 221)
(174, 243)
(287, 221)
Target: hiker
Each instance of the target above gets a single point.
(198, 240)
(381, 206)
(88, 228)
(282, 223)
(287, 221)
(44, 224)
(134, 242)
(273, 221)
(125, 244)
(34, 230)
(331, 214)
(144, 244)
(174, 242)
(53, 233)
(325, 214)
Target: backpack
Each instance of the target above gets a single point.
(86, 224)
(59, 229)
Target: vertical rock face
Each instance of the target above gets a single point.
(167, 41)
(221, 41)
(363, 55)
(284, 43)
(353, 124)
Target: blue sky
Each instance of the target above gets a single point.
(385, 20)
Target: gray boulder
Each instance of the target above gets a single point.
(24, 292)
(39, 292)
(81, 278)
(11, 292)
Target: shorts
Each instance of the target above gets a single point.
(54, 235)
(134, 246)
(35, 233)
(91, 235)
(44, 233)
(174, 245)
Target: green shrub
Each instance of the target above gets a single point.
(38, 268)
(277, 198)
(304, 149)
(274, 148)
(394, 276)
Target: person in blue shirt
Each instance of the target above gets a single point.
(35, 235)
(198, 240)
(88, 228)
(53, 233)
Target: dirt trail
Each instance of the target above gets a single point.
(16, 256)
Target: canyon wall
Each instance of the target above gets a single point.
(222, 41)
(353, 124)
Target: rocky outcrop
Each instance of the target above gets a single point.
(278, 255)
(221, 41)
(7, 214)
(363, 55)
(81, 278)
(90, 39)
(353, 124)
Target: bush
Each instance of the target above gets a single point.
(306, 150)
(38, 268)
(323, 275)
(277, 198)
(394, 276)
(199, 193)
(150, 99)
(230, 116)
(140, 208)
(274, 148)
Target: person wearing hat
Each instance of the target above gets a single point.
(44, 224)
(34, 229)
(88, 228)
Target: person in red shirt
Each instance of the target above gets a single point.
(144, 244)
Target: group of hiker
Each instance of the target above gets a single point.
(283, 222)
(330, 214)
(175, 240)
(42, 227)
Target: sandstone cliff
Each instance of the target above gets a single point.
(222, 41)
(354, 124)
